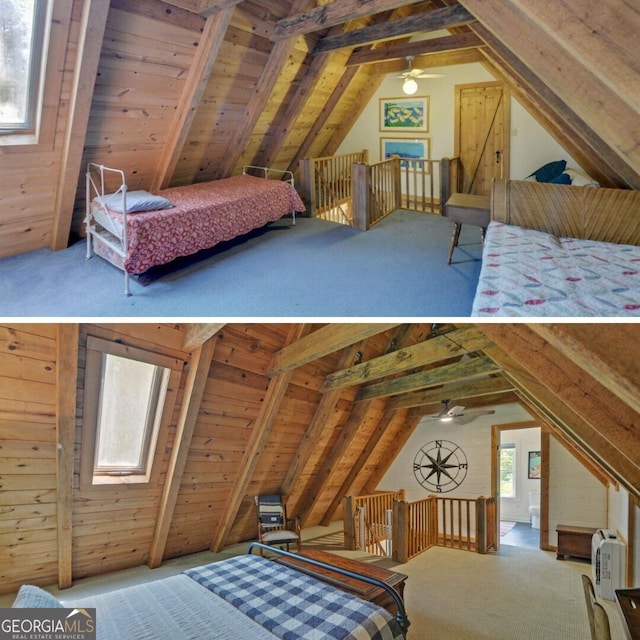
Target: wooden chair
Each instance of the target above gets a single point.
(598, 619)
(274, 526)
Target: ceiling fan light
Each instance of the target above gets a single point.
(410, 86)
(446, 419)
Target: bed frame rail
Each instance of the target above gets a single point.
(108, 238)
(401, 616)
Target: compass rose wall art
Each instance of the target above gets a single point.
(440, 466)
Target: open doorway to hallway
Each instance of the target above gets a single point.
(518, 480)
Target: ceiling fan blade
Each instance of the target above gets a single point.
(455, 411)
(480, 412)
(430, 75)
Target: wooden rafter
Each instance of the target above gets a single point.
(197, 334)
(333, 14)
(193, 393)
(211, 7)
(394, 50)
(211, 40)
(93, 22)
(427, 21)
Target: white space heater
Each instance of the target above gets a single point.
(608, 556)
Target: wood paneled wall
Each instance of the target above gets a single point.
(28, 496)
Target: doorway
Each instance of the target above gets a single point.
(482, 134)
(517, 475)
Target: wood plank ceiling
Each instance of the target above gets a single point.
(320, 412)
(190, 90)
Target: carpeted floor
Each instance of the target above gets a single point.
(312, 269)
(515, 594)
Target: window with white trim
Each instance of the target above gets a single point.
(22, 47)
(125, 411)
(508, 470)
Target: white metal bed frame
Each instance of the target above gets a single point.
(109, 233)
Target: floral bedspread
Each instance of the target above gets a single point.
(531, 273)
(203, 215)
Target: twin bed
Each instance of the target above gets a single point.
(560, 251)
(137, 230)
(243, 598)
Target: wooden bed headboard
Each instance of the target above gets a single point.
(610, 215)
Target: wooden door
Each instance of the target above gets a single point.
(482, 127)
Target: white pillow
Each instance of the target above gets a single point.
(136, 201)
(580, 179)
(29, 596)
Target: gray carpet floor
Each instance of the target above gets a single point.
(313, 269)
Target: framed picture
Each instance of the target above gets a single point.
(405, 114)
(410, 148)
(535, 466)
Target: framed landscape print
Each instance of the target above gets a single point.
(410, 148)
(404, 114)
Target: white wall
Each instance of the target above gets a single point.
(525, 440)
(474, 438)
(575, 496)
(531, 145)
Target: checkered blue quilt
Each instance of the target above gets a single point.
(292, 605)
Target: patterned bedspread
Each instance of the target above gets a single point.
(203, 215)
(531, 273)
(294, 606)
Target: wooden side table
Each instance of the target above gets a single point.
(467, 208)
(574, 541)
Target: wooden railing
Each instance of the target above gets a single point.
(368, 522)
(376, 192)
(326, 185)
(460, 523)
(348, 190)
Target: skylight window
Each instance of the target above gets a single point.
(128, 416)
(128, 401)
(22, 35)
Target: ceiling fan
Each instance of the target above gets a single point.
(449, 414)
(410, 85)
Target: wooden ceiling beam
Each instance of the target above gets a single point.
(209, 7)
(197, 334)
(399, 51)
(427, 21)
(332, 15)
(464, 370)
(449, 345)
(462, 392)
(328, 339)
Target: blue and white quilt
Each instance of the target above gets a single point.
(292, 605)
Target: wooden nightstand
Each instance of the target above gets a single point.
(467, 208)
